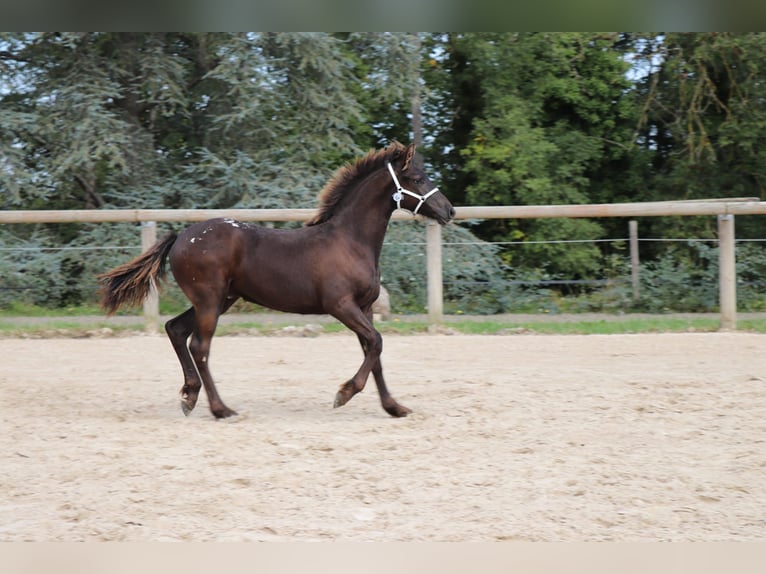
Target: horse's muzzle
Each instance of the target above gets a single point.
(445, 219)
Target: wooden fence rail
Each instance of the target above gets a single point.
(738, 206)
(723, 209)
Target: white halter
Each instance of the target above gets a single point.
(400, 192)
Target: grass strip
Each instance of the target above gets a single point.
(70, 327)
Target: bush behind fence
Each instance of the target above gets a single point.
(682, 278)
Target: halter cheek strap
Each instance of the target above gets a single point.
(401, 192)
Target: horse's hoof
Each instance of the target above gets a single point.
(224, 413)
(340, 400)
(397, 410)
(186, 408)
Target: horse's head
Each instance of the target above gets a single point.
(414, 191)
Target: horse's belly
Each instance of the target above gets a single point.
(279, 293)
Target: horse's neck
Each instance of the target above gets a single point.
(367, 213)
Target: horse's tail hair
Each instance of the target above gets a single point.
(130, 282)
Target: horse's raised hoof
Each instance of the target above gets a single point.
(340, 400)
(345, 393)
(187, 405)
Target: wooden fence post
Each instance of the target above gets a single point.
(727, 272)
(434, 272)
(634, 261)
(152, 301)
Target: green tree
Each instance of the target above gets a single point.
(704, 120)
(98, 120)
(704, 108)
(543, 119)
(182, 120)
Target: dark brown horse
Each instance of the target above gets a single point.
(331, 265)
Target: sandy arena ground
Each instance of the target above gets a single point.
(519, 437)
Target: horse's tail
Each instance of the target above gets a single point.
(130, 282)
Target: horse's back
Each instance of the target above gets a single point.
(212, 237)
(224, 256)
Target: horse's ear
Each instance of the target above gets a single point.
(409, 156)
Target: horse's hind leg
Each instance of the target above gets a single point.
(204, 329)
(178, 329)
(195, 363)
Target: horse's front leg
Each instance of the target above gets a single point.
(372, 346)
(390, 405)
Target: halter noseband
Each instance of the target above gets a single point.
(400, 192)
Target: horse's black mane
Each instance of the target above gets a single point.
(346, 177)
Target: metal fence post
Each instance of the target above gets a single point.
(152, 301)
(727, 272)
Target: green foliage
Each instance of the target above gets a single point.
(473, 281)
(550, 121)
(217, 120)
(171, 120)
(751, 277)
(181, 120)
(683, 279)
(703, 117)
